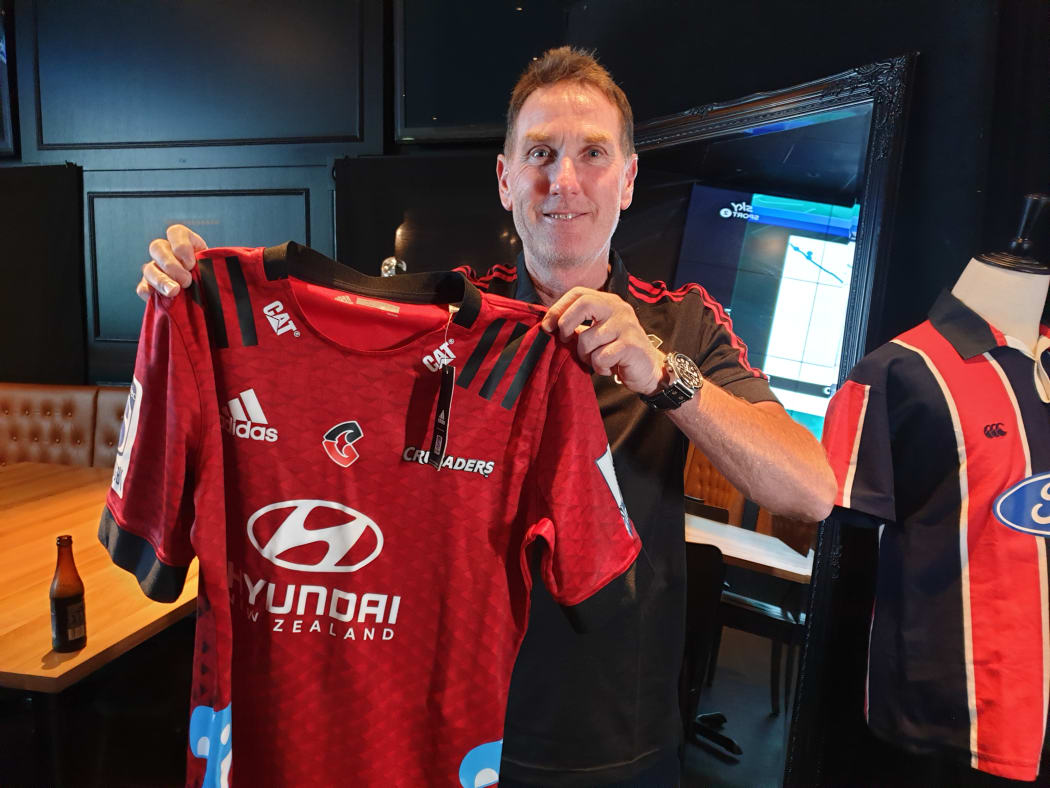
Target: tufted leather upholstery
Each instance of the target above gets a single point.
(704, 482)
(47, 423)
(109, 414)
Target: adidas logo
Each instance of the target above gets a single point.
(243, 417)
(280, 322)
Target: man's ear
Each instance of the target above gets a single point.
(627, 193)
(502, 174)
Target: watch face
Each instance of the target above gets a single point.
(686, 370)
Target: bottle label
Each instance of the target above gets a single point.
(68, 621)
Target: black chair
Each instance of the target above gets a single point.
(784, 624)
(705, 574)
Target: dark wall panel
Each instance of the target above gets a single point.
(124, 211)
(172, 84)
(170, 72)
(42, 295)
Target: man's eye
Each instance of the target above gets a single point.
(594, 153)
(539, 153)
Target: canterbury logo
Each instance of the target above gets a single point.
(338, 541)
(243, 417)
(994, 430)
(280, 322)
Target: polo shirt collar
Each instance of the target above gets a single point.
(616, 283)
(971, 335)
(968, 332)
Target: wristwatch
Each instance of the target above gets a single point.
(684, 380)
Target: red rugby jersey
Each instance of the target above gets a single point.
(943, 435)
(360, 610)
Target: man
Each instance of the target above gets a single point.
(601, 709)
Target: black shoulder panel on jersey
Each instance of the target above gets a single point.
(159, 581)
(506, 355)
(243, 302)
(525, 369)
(434, 287)
(619, 594)
(212, 304)
(470, 369)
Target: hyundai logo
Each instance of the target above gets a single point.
(1026, 506)
(338, 540)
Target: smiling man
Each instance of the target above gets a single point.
(602, 709)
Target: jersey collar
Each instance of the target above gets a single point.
(969, 333)
(442, 287)
(616, 283)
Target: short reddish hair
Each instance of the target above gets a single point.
(567, 64)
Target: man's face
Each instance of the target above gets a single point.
(567, 177)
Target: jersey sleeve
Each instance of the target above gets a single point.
(857, 441)
(576, 508)
(149, 510)
(722, 356)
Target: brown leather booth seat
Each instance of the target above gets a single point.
(68, 425)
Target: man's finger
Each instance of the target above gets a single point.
(555, 310)
(594, 336)
(142, 290)
(155, 278)
(163, 256)
(607, 357)
(185, 244)
(582, 309)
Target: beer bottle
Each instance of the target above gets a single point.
(68, 625)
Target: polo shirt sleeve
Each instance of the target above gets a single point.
(722, 355)
(588, 544)
(857, 440)
(149, 509)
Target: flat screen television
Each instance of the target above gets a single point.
(782, 269)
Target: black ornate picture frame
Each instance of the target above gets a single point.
(884, 87)
(8, 141)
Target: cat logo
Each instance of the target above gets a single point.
(442, 356)
(280, 321)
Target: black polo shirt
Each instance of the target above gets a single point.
(943, 435)
(603, 707)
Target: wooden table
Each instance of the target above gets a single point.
(37, 503)
(749, 549)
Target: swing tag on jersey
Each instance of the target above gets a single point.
(442, 416)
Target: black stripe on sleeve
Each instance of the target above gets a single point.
(194, 291)
(470, 369)
(159, 581)
(616, 596)
(525, 370)
(213, 304)
(505, 357)
(243, 302)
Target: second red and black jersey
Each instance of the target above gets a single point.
(364, 525)
(943, 435)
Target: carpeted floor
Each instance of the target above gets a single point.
(741, 692)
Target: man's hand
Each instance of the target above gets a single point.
(172, 261)
(613, 343)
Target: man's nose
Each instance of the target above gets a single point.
(564, 180)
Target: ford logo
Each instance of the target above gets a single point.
(1026, 506)
(328, 545)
